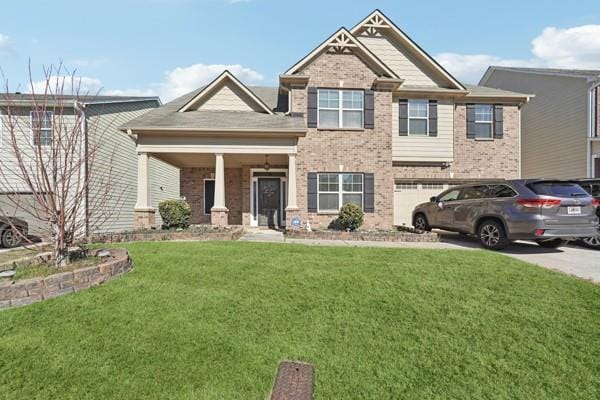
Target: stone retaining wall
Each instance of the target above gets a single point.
(374, 236)
(27, 291)
(233, 233)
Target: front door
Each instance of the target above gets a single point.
(597, 167)
(269, 202)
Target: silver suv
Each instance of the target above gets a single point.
(548, 212)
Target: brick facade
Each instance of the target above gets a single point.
(368, 150)
(475, 159)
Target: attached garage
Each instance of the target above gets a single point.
(408, 194)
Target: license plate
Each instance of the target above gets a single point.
(573, 210)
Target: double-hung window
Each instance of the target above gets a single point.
(335, 190)
(41, 127)
(418, 117)
(484, 121)
(341, 109)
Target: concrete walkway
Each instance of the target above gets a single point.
(571, 259)
(263, 235)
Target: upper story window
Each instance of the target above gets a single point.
(484, 120)
(41, 127)
(418, 117)
(341, 109)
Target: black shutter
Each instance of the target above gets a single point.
(312, 107)
(209, 195)
(498, 121)
(369, 109)
(369, 195)
(312, 192)
(403, 117)
(433, 118)
(471, 121)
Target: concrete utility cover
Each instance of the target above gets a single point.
(7, 274)
(295, 381)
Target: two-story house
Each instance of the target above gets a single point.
(110, 198)
(561, 125)
(366, 117)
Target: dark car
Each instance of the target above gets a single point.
(592, 186)
(549, 212)
(8, 236)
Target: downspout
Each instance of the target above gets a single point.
(84, 131)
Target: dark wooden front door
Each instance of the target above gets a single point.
(269, 202)
(597, 168)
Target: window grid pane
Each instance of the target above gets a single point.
(483, 113)
(335, 190)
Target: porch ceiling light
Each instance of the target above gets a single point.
(267, 166)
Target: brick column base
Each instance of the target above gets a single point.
(145, 219)
(218, 217)
(291, 213)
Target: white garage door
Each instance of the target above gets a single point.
(408, 194)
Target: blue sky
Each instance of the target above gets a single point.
(166, 47)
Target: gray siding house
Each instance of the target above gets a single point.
(116, 155)
(560, 125)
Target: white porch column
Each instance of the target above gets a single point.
(219, 213)
(219, 182)
(291, 200)
(144, 212)
(143, 184)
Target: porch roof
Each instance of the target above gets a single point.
(167, 117)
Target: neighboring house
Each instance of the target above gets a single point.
(561, 125)
(366, 117)
(116, 156)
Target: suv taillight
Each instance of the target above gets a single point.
(596, 203)
(539, 203)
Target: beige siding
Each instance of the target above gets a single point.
(425, 148)
(405, 65)
(229, 97)
(116, 166)
(554, 123)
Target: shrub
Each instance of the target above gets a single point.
(175, 213)
(350, 217)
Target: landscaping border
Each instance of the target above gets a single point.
(27, 291)
(151, 235)
(371, 236)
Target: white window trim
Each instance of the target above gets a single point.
(491, 123)
(426, 118)
(31, 138)
(204, 195)
(340, 192)
(340, 108)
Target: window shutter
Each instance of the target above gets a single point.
(312, 192)
(403, 117)
(433, 117)
(369, 109)
(312, 107)
(471, 121)
(369, 195)
(498, 121)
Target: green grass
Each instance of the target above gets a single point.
(12, 255)
(213, 320)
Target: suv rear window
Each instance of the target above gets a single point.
(591, 188)
(559, 189)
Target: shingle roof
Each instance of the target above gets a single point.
(485, 91)
(28, 98)
(168, 116)
(584, 73)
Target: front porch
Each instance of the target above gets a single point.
(226, 189)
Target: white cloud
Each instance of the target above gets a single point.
(6, 45)
(67, 85)
(577, 47)
(182, 80)
(236, 1)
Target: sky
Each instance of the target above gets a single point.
(170, 47)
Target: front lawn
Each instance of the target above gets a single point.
(212, 320)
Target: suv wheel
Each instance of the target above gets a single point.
(592, 242)
(421, 223)
(551, 244)
(491, 235)
(9, 238)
